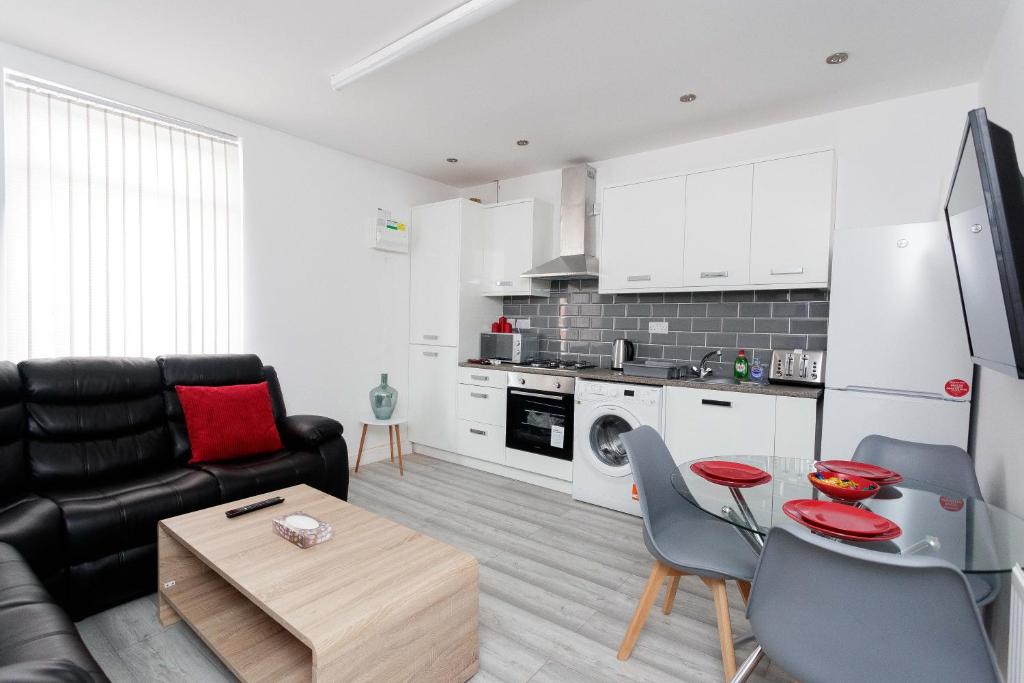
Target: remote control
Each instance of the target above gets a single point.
(252, 507)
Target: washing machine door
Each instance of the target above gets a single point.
(604, 450)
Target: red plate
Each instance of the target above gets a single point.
(733, 474)
(840, 520)
(865, 470)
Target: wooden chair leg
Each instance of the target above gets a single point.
(670, 594)
(398, 438)
(362, 440)
(744, 587)
(717, 587)
(391, 442)
(658, 573)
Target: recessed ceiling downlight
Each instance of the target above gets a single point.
(837, 58)
(522, 143)
(452, 160)
(688, 97)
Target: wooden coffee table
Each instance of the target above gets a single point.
(378, 602)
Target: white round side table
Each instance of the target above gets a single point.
(394, 426)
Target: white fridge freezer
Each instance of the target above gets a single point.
(898, 360)
(849, 416)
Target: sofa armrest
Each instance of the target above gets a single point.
(308, 431)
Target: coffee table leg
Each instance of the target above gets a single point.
(398, 437)
(362, 440)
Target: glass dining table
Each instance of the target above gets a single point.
(969, 533)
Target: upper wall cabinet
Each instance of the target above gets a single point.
(718, 228)
(763, 225)
(518, 236)
(642, 236)
(792, 221)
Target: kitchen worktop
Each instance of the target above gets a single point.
(606, 375)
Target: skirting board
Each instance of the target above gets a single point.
(495, 468)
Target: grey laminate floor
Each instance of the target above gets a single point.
(559, 582)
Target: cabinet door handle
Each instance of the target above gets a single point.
(478, 432)
(480, 378)
(430, 354)
(430, 336)
(715, 402)
(638, 278)
(714, 273)
(502, 283)
(478, 395)
(799, 270)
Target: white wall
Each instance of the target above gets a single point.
(322, 307)
(894, 157)
(998, 398)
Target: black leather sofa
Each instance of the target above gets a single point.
(94, 451)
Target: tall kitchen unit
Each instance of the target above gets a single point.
(898, 360)
(447, 312)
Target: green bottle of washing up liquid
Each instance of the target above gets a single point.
(740, 367)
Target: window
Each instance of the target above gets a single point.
(121, 231)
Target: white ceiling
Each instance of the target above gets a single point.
(581, 79)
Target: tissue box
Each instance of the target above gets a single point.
(303, 530)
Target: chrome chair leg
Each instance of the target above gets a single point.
(748, 665)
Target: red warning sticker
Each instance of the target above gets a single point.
(957, 388)
(951, 504)
(636, 495)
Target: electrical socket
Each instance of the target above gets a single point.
(522, 323)
(658, 327)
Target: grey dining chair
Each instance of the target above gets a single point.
(684, 541)
(941, 469)
(826, 611)
(946, 468)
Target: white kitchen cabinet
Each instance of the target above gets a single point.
(703, 423)
(483, 378)
(432, 395)
(446, 246)
(717, 228)
(434, 273)
(796, 427)
(792, 219)
(517, 237)
(642, 236)
(481, 441)
(481, 404)
(446, 314)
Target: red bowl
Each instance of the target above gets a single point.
(864, 487)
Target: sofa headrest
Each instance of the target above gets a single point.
(211, 370)
(82, 380)
(10, 383)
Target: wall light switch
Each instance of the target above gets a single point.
(522, 323)
(658, 327)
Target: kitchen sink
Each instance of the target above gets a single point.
(717, 380)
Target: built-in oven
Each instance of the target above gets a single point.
(539, 414)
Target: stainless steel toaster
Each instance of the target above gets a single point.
(797, 367)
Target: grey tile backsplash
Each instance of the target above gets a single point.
(575, 322)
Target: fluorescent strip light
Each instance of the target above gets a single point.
(428, 34)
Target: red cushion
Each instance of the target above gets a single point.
(229, 422)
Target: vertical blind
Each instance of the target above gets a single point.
(121, 232)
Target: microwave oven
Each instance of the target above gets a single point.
(516, 347)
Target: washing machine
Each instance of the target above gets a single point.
(601, 473)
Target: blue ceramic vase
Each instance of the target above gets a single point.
(383, 399)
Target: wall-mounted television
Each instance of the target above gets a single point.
(985, 215)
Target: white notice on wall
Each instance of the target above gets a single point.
(557, 436)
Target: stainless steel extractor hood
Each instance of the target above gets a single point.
(578, 232)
